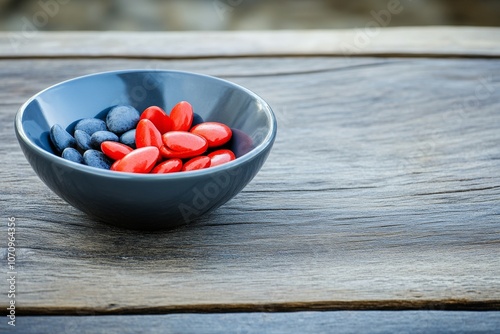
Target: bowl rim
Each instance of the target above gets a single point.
(268, 140)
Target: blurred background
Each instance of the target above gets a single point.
(175, 15)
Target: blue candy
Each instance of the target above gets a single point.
(120, 119)
(91, 125)
(61, 138)
(128, 138)
(72, 154)
(96, 159)
(197, 119)
(100, 136)
(82, 140)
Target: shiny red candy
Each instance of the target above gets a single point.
(115, 150)
(169, 154)
(146, 134)
(141, 160)
(215, 133)
(220, 157)
(163, 144)
(196, 163)
(185, 142)
(168, 166)
(182, 116)
(159, 118)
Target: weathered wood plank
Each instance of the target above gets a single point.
(436, 41)
(272, 323)
(382, 191)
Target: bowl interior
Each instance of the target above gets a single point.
(92, 96)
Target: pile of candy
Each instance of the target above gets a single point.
(151, 142)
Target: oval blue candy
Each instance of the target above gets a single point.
(90, 125)
(100, 136)
(197, 119)
(128, 138)
(120, 119)
(72, 154)
(61, 138)
(96, 159)
(82, 140)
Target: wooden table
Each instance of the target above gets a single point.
(378, 208)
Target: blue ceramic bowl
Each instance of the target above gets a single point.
(146, 201)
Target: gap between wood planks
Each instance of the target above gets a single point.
(243, 56)
(386, 305)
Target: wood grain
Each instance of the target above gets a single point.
(342, 322)
(398, 41)
(381, 192)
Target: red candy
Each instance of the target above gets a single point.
(215, 133)
(159, 137)
(196, 163)
(182, 116)
(115, 150)
(146, 134)
(169, 154)
(159, 118)
(168, 166)
(220, 157)
(185, 142)
(141, 160)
